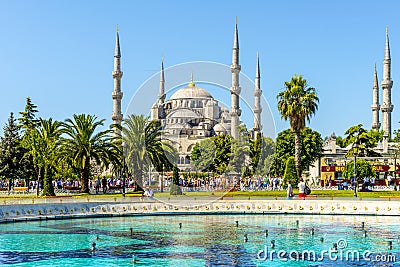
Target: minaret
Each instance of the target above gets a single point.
(257, 105)
(376, 125)
(387, 84)
(235, 89)
(161, 94)
(117, 94)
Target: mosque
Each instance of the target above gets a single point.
(191, 114)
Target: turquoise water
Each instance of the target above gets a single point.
(206, 240)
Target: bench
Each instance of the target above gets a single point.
(21, 189)
(72, 188)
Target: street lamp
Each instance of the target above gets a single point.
(162, 179)
(355, 169)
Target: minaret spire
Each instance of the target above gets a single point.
(257, 105)
(117, 51)
(387, 84)
(235, 88)
(117, 93)
(375, 103)
(161, 94)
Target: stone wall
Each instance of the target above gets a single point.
(91, 209)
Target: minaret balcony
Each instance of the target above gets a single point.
(236, 111)
(386, 108)
(257, 109)
(117, 74)
(235, 68)
(117, 95)
(116, 117)
(375, 107)
(387, 84)
(236, 90)
(376, 126)
(257, 92)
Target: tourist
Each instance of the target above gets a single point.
(104, 184)
(302, 186)
(97, 185)
(289, 191)
(345, 185)
(389, 180)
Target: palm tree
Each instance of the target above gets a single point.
(85, 143)
(297, 102)
(143, 146)
(42, 144)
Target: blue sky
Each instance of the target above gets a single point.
(60, 53)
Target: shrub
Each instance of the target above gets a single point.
(290, 172)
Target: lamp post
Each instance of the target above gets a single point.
(162, 179)
(355, 169)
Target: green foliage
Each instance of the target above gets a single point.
(297, 103)
(339, 142)
(265, 157)
(174, 188)
(213, 157)
(240, 152)
(203, 154)
(362, 141)
(363, 169)
(311, 149)
(290, 172)
(175, 175)
(28, 122)
(11, 153)
(42, 144)
(83, 142)
(396, 135)
(143, 146)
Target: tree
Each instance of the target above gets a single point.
(11, 151)
(255, 152)
(240, 158)
(143, 146)
(267, 156)
(28, 122)
(362, 141)
(262, 153)
(310, 147)
(297, 103)
(223, 144)
(290, 172)
(203, 154)
(363, 169)
(174, 188)
(42, 145)
(84, 142)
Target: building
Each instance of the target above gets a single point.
(386, 107)
(334, 160)
(191, 114)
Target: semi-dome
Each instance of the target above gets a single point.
(184, 113)
(221, 127)
(191, 91)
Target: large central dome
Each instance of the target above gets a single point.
(191, 91)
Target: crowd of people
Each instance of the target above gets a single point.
(211, 183)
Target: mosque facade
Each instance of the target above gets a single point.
(191, 114)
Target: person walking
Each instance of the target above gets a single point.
(289, 191)
(302, 186)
